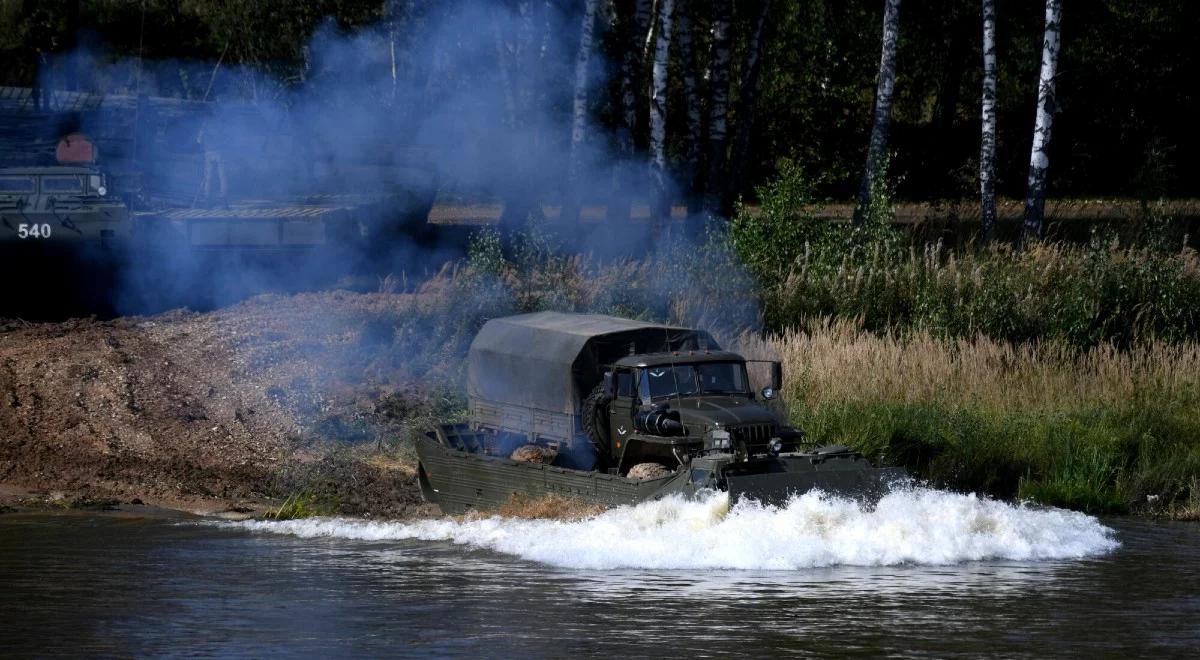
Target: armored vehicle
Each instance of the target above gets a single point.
(59, 205)
(616, 411)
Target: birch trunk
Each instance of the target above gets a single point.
(650, 19)
(877, 148)
(987, 141)
(718, 105)
(1039, 156)
(570, 213)
(661, 205)
(744, 111)
(691, 97)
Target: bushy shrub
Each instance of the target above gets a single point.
(1103, 291)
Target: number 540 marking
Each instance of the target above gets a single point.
(25, 230)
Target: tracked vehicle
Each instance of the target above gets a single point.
(615, 411)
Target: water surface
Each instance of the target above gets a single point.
(138, 585)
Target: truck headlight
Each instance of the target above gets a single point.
(102, 191)
(720, 439)
(776, 445)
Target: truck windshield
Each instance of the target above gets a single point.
(687, 379)
(61, 184)
(16, 184)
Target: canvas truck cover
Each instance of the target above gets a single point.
(551, 360)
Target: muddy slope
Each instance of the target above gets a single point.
(271, 396)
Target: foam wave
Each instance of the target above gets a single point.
(914, 526)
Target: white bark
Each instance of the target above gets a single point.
(579, 110)
(658, 109)
(877, 149)
(1039, 156)
(647, 13)
(987, 142)
(717, 78)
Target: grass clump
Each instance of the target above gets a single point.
(303, 505)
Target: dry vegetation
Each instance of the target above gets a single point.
(316, 398)
(1099, 429)
(273, 398)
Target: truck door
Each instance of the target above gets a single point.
(620, 421)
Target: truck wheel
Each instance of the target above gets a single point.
(648, 471)
(595, 420)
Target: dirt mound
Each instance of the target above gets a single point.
(228, 405)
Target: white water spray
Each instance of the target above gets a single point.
(912, 526)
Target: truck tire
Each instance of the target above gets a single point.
(595, 421)
(648, 471)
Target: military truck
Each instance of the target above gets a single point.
(617, 411)
(59, 205)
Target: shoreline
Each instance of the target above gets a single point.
(265, 403)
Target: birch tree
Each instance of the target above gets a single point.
(744, 111)
(1039, 156)
(717, 79)
(987, 141)
(583, 56)
(661, 206)
(877, 148)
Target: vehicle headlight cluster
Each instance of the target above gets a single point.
(720, 439)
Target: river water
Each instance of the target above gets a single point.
(923, 573)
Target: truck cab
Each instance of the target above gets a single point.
(666, 407)
(59, 204)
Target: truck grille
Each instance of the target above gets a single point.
(755, 436)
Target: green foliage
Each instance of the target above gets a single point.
(303, 505)
(770, 241)
(788, 234)
(1110, 461)
(1099, 292)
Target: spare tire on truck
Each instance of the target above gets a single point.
(595, 422)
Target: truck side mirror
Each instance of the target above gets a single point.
(608, 384)
(776, 376)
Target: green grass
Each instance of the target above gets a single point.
(303, 505)
(1098, 430)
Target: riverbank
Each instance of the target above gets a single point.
(312, 401)
(230, 411)
(1099, 430)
